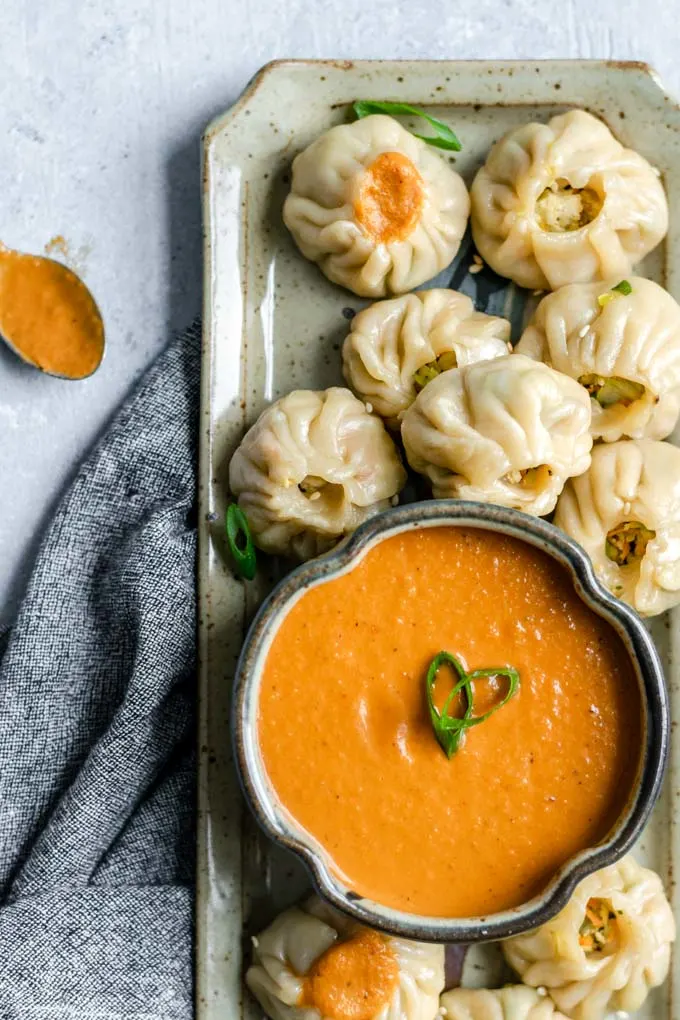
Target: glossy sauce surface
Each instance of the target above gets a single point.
(348, 744)
(390, 198)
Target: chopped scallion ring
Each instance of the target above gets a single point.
(240, 542)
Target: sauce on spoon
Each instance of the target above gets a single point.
(48, 316)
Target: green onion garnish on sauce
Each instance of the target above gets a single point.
(443, 138)
(240, 542)
(449, 729)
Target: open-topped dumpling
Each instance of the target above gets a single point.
(514, 1002)
(606, 949)
(311, 469)
(621, 340)
(314, 963)
(565, 202)
(375, 207)
(625, 512)
(396, 347)
(508, 431)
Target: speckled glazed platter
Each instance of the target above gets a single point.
(273, 323)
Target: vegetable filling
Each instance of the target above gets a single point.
(318, 489)
(627, 542)
(561, 208)
(598, 929)
(612, 390)
(432, 369)
(529, 478)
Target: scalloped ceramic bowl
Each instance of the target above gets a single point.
(283, 828)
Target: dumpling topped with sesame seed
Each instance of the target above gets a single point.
(375, 207)
(621, 340)
(565, 202)
(313, 467)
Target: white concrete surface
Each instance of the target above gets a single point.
(101, 108)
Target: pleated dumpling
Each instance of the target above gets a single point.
(313, 467)
(508, 431)
(396, 347)
(313, 963)
(622, 344)
(625, 512)
(606, 949)
(565, 202)
(376, 207)
(514, 1002)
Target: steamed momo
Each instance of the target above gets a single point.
(375, 207)
(625, 348)
(508, 431)
(564, 202)
(514, 1002)
(314, 963)
(396, 347)
(625, 512)
(606, 949)
(311, 469)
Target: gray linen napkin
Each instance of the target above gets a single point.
(97, 729)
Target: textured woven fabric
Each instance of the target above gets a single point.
(97, 729)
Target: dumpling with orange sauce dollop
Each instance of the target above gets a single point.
(314, 963)
(375, 207)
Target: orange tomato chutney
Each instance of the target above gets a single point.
(390, 198)
(353, 980)
(349, 747)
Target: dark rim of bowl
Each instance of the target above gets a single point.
(625, 621)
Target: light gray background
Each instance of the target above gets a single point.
(101, 109)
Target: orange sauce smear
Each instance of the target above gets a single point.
(353, 980)
(348, 744)
(48, 315)
(390, 198)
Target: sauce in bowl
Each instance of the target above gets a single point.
(349, 747)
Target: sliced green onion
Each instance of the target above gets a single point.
(240, 542)
(621, 288)
(448, 738)
(443, 138)
(449, 729)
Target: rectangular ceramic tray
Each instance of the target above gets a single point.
(273, 323)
